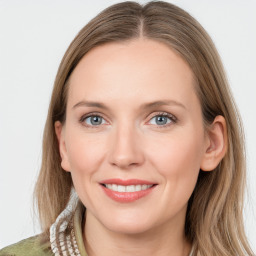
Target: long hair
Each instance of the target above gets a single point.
(214, 221)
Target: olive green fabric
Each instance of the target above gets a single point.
(32, 246)
(40, 245)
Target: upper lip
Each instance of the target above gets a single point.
(127, 182)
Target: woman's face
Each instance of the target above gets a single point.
(134, 138)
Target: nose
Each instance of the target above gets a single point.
(126, 149)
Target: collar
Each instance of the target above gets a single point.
(66, 232)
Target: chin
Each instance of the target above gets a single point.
(129, 228)
(130, 225)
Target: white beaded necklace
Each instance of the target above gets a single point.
(62, 235)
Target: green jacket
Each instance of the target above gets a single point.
(33, 246)
(40, 245)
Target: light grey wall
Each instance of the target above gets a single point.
(33, 38)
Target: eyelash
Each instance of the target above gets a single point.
(172, 118)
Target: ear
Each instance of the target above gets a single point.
(60, 133)
(215, 144)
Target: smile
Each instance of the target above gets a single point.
(126, 191)
(130, 188)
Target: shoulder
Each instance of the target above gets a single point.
(33, 246)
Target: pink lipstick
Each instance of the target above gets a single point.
(125, 191)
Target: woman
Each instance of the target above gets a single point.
(143, 149)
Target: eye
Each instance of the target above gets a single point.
(162, 119)
(93, 120)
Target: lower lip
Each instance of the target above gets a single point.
(126, 197)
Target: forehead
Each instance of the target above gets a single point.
(136, 70)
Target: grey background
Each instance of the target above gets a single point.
(33, 38)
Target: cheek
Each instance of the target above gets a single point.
(177, 151)
(85, 153)
(177, 160)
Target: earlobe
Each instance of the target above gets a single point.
(59, 130)
(216, 144)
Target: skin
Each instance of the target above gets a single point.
(130, 144)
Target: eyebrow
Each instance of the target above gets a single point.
(143, 106)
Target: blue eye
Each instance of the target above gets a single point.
(94, 120)
(161, 120)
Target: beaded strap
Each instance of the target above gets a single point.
(62, 235)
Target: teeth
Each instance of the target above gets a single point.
(143, 187)
(138, 188)
(130, 188)
(114, 187)
(121, 188)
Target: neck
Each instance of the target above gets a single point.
(168, 239)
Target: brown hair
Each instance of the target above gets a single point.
(214, 221)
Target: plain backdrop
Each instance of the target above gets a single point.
(33, 38)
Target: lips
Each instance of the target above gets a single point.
(130, 188)
(125, 191)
